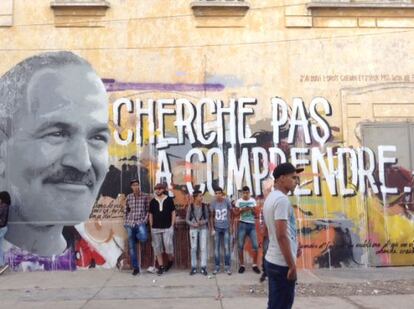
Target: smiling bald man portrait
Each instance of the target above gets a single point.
(53, 147)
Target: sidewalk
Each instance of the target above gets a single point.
(345, 288)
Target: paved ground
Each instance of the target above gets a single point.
(350, 288)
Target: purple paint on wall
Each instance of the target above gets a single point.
(112, 85)
(22, 260)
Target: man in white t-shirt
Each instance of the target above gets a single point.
(283, 247)
(245, 207)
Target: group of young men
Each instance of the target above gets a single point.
(202, 219)
(282, 245)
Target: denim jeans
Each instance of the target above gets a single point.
(281, 290)
(198, 239)
(247, 229)
(225, 235)
(136, 232)
(3, 231)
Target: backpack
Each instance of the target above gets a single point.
(203, 213)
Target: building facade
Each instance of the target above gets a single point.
(218, 93)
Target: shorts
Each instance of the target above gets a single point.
(160, 237)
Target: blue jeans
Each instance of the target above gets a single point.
(265, 247)
(225, 235)
(247, 229)
(281, 290)
(136, 232)
(3, 231)
(198, 239)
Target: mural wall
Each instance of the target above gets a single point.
(78, 122)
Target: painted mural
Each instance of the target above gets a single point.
(72, 140)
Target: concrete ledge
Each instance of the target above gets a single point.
(220, 8)
(80, 4)
(6, 13)
(353, 5)
(72, 13)
(6, 20)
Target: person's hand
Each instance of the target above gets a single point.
(299, 252)
(291, 275)
(213, 232)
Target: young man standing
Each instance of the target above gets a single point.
(162, 221)
(221, 218)
(283, 247)
(197, 219)
(245, 207)
(136, 218)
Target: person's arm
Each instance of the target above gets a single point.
(236, 209)
(204, 210)
(251, 208)
(284, 244)
(187, 216)
(127, 208)
(173, 215)
(230, 216)
(212, 215)
(150, 218)
(146, 208)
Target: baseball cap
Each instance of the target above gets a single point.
(159, 186)
(285, 169)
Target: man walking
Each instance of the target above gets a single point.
(197, 219)
(283, 247)
(136, 218)
(221, 218)
(245, 207)
(162, 221)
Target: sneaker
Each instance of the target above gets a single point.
(169, 265)
(256, 269)
(216, 271)
(4, 268)
(135, 271)
(204, 271)
(228, 271)
(160, 270)
(152, 270)
(241, 269)
(193, 271)
(262, 277)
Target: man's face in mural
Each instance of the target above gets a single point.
(58, 151)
